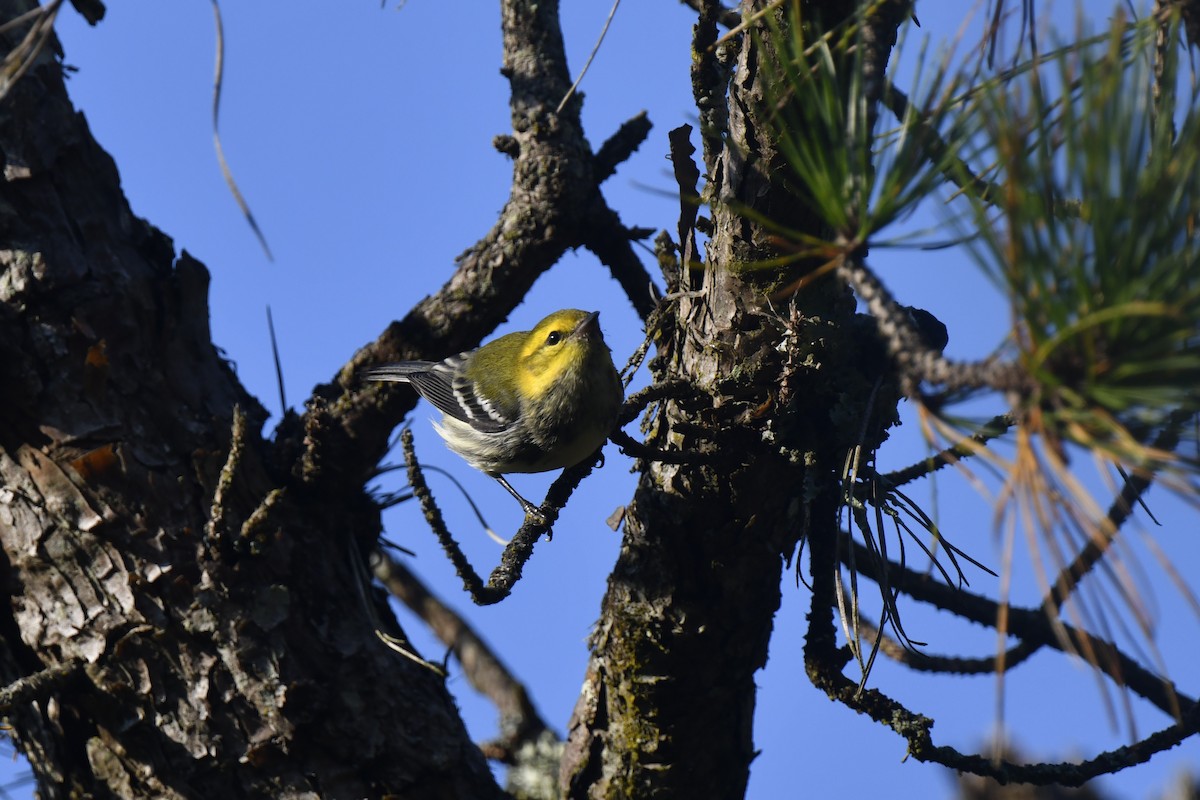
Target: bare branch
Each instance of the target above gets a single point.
(915, 360)
(921, 661)
(824, 662)
(621, 145)
(993, 428)
(519, 548)
(1031, 625)
(632, 447)
(38, 685)
(610, 241)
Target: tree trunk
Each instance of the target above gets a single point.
(777, 397)
(187, 595)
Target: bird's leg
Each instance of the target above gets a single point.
(530, 509)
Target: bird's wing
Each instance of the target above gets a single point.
(454, 397)
(483, 412)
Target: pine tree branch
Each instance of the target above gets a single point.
(1031, 625)
(993, 428)
(921, 661)
(621, 145)
(915, 360)
(824, 662)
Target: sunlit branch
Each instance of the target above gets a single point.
(993, 428)
(916, 361)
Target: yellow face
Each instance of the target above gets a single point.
(559, 342)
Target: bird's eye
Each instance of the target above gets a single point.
(554, 338)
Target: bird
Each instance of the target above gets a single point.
(530, 401)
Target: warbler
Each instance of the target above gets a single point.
(530, 401)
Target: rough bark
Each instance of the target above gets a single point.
(668, 701)
(193, 591)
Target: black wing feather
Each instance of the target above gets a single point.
(435, 381)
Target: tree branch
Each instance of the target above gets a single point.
(824, 662)
(915, 360)
(38, 685)
(954, 665)
(609, 240)
(555, 205)
(519, 548)
(621, 145)
(1030, 625)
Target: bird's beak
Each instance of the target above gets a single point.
(588, 326)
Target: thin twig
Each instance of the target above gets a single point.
(283, 406)
(612, 12)
(38, 685)
(520, 546)
(993, 428)
(667, 390)
(218, 79)
(632, 447)
(921, 661)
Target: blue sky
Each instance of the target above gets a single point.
(361, 138)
